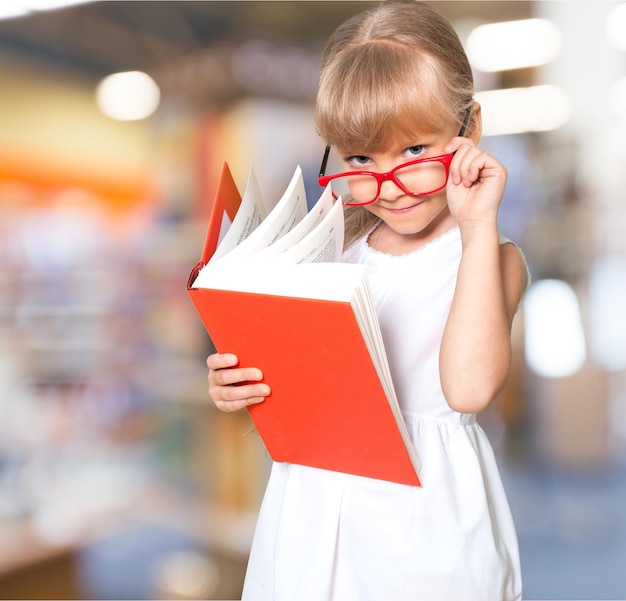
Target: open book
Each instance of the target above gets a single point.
(270, 288)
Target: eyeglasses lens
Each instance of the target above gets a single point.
(419, 179)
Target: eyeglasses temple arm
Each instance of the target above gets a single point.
(466, 119)
(324, 161)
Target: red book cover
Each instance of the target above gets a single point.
(327, 408)
(226, 203)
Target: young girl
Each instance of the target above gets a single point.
(396, 88)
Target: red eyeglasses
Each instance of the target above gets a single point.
(416, 178)
(420, 177)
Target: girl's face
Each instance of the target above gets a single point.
(410, 219)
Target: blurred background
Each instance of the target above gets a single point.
(118, 479)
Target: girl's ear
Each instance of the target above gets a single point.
(475, 126)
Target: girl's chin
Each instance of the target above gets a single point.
(412, 221)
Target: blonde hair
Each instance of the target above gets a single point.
(396, 69)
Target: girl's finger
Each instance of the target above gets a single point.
(221, 360)
(228, 376)
(241, 393)
(456, 143)
(237, 405)
(459, 163)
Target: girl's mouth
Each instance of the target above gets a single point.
(403, 210)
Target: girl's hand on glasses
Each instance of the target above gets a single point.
(232, 388)
(475, 185)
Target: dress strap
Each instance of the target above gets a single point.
(505, 240)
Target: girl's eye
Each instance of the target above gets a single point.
(358, 161)
(414, 151)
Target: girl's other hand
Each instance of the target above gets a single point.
(232, 388)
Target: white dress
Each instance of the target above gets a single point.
(325, 536)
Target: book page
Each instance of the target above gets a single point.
(273, 272)
(324, 244)
(367, 319)
(289, 211)
(308, 223)
(251, 213)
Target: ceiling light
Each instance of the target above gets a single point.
(128, 96)
(10, 9)
(52, 4)
(554, 340)
(519, 110)
(616, 26)
(513, 44)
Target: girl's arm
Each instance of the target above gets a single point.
(232, 388)
(475, 354)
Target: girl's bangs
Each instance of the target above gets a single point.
(359, 111)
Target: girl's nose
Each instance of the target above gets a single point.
(389, 190)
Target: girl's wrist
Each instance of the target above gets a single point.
(479, 231)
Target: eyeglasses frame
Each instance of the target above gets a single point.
(323, 179)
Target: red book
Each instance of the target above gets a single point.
(308, 322)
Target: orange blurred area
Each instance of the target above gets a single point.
(44, 177)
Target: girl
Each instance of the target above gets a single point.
(396, 100)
